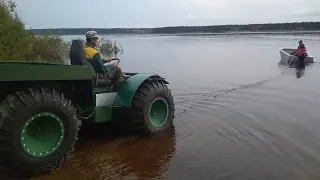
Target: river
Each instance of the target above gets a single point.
(236, 116)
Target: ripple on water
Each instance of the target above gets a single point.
(251, 132)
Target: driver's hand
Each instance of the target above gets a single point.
(108, 59)
(116, 64)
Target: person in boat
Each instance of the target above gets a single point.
(112, 71)
(301, 52)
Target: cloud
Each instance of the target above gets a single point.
(155, 13)
(310, 12)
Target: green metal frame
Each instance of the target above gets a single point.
(103, 106)
(34, 71)
(47, 129)
(106, 102)
(128, 89)
(158, 112)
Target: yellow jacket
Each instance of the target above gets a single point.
(94, 58)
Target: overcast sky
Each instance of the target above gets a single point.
(156, 13)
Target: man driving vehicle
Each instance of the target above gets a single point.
(112, 71)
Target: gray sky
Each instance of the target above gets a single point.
(156, 13)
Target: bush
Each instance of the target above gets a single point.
(109, 48)
(14, 40)
(48, 48)
(17, 44)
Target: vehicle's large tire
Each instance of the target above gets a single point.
(38, 131)
(153, 107)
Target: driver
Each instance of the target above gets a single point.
(112, 71)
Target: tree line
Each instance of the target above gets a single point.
(19, 44)
(82, 31)
(296, 26)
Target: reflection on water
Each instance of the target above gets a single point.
(101, 157)
(300, 67)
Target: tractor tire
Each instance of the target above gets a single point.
(38, 131)
(153, 108)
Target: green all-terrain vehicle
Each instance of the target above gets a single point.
(42, 107)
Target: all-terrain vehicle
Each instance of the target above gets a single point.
(42, 107)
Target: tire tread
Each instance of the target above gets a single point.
(140, 99)
(25, 99)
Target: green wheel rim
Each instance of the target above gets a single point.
(42, 134)
(158, 112)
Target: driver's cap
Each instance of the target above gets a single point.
(91, 34)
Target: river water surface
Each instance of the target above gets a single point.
(236, 116)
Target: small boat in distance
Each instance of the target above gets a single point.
(287, 55)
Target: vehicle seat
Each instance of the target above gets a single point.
(77, 58)
(76, 54)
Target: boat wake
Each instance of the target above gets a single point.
(216, 94)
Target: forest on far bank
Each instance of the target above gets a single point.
(294, 26)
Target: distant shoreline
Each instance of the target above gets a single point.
(276, 28)
(204, 34)
(248, 32)
(201, 33)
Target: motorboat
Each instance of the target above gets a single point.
(287, 55)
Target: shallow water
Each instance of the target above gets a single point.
(236, 116)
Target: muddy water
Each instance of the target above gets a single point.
(236, 117)
(117, 155)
